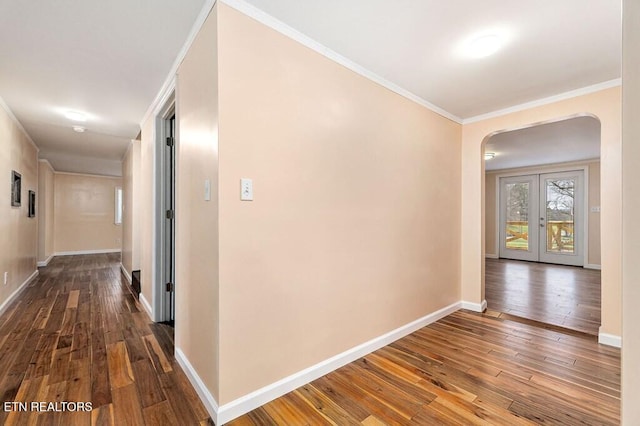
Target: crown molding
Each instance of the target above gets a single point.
(170, 79)
(545, 101)
(17, 122)
(279, 26)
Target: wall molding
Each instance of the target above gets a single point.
(45, 262)
(86, 174)
(592, 266)
(491, 256)
(147, 307)
(45, 161)
(73, 253)
(610, 340)
(17, 122)
(284, 29)
(545, 101)
(160, 98)
(207, 399)
(126, 273)
(17, 292)
(227, 412)
(476, 307)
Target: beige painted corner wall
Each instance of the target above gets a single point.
(45, 210)
(593, 194)
(630, 209)
(355, 225)
(144, 204)
(196, 219)
(130, 208)
(84, 213)
(606, 106)
(18, 233)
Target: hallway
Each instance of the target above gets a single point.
(562, 296)
(76, 334)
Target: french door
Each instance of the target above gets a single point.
(541, 218)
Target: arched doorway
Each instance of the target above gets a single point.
(542, 214)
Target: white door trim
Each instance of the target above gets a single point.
(158, 293)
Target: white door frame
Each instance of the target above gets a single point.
(543, 170)
(577, 257)
(165, 107)
(531, 254)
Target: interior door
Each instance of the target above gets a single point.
(518, 217)
(561, 218)
(170, 231)
(541, 218)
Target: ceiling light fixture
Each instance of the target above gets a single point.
(484, 45)
(79, 129)
(489, 155)
(75, 116)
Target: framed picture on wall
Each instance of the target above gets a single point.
(32, 204)
(16, 188)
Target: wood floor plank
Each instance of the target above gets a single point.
(470, 368)
(76, 335)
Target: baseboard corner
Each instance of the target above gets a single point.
(592, 266)
(610, 340)
(475, 307)
(43, 263)
(209, 402)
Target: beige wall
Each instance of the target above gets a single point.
(593, 194)
(196, 219)
(630, 209)
(18, 233)
(84, 213)
(606, 106)
(355, 226)
(45, 210)
(130, 209)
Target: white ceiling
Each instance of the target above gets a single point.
(558, 142)
(106, 58)
(110, 58)
(551, 46)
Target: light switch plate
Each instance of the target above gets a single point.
(207, 190)
(246, 189)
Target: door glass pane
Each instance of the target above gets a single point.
(517, 216)
(560, 194)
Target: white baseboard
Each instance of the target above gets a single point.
(253, 400)
(74, 253)
(146, 306)
(610, 340)
(476, 307)
(491, 256)
(44, 263)
(592, 266)
(205, 396)
(126, 273)
(17, 291)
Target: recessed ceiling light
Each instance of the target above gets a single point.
(79, 129)
(484, 45)
(489, 155)
(75, 116)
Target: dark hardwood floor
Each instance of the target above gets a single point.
(76, 334)
(466, 369)
(563, 296)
